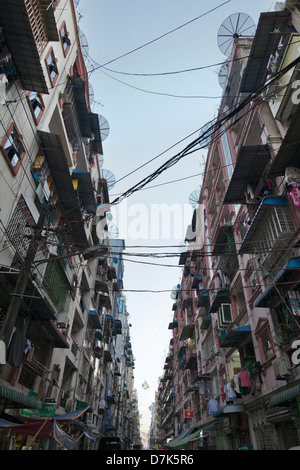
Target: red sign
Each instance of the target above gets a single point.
(188, 414)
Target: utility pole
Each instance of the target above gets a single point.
(16, 299)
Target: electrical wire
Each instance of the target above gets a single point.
(252, 97)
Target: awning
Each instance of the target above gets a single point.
(230, 409)
(192, 362)
(99, 336)
(187, 302)
(173, 325)
(196, 281)
(32, 300)
(284, 396)
(94, 320)
(265, 206)
(56, 337)
(101, 286)
(249, 167)
(42, 427)
(76, 92)
(236, 337)
(288, 274)
(185, 438)
(183, 257)
(265, 43)
(104, 300)
(221, 297)
(10, 398)
(203, 300)
(85, 190)
(57, 162)
(206, 323)
(21, 44)
(289, 151)
(187, 332)
(221, 242)
(95, 128)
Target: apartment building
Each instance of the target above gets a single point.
(246, 381)
(61, 284)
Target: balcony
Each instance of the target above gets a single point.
(288, 153)
(271, 229)
(27, 26)
(264, 45)
(57, 162)
(250, 165)
(286, 281)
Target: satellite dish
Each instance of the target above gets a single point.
(84, 44)
(112, 230)
(238, 25)
(100, 160)
(104, 127)
(205, 134)
(91, 94)
(173, 294)
(194, 198)
(109, 177)
(223, 72)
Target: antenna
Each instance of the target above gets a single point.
(235, 26)
(110, 178)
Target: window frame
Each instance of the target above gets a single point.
(13, 129)
(53, 64)
(39, 98)
(65, 45)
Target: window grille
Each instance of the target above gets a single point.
(19, 228)
(33, 8)
(275, 232)
(57, 285)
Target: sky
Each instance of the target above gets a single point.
(139, 57)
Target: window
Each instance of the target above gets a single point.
(51, 66)
(64, 37)
(225, 315)
(12, 149)
(36, 105)
(264, 340)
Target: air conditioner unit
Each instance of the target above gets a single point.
(224, 315)
(281, 368)
(52, 394)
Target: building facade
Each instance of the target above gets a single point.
(236, 373)
(62, 332)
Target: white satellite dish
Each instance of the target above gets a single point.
(194, 198)
(84, 44)
(109, 177)
(223, 72)
(238, 25)
(104, 127)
